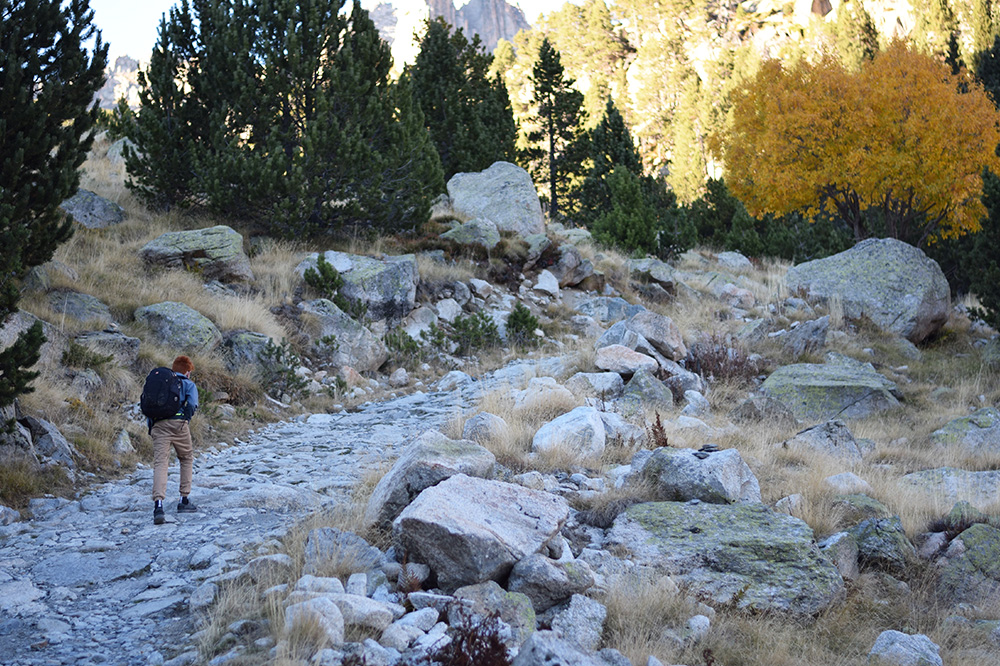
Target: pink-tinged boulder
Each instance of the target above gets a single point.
(471, 530)
(624, 361)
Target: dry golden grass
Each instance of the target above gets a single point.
(512, 448)
(433, 271)
(639, 609)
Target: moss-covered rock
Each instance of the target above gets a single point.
(947, 485)
(179, 326)
(745, 555)
(645, 391)
(82, 307)
(386, 288)
(886, 281)
(972, 570)
(478, 231)
(976, 434)
(217, 252)
(839, 388)
(882, 544)
(858, 507)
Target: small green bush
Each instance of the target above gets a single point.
(521, 325)
(78, 356)
(325, 280)
(474, 332)
(404, 349)
(278, 364)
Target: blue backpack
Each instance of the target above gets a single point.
(162, 394)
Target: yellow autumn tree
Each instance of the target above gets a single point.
(901, 137)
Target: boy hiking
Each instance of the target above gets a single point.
(169, 400)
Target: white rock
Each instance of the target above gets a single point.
(547, 283)
(321, 610)
(448, 309)
(580, 432)
(894, 648)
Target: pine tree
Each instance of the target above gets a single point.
(981, 263)
(987, 70)
(284, 115)
(630, 223)
(557, 146)
(610, 145)
(466, 110)
(47, 82)
(857, 37)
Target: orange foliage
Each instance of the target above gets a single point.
(901, 135)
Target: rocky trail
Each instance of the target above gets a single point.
(93, 581)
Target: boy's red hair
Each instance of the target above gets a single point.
(183, 365)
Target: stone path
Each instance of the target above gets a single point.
(93, 581)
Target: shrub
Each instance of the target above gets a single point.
(78, 356)
(521, 325)
(717, 357)
(477, 331)
(982, 264)
(325, 280)
(474, 642)
(278, 365)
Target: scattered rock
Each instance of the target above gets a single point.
(882, 544)
(950, 485)
(122, 349)
(621, 359)
(323, 612)
(970, 572)
(341, 340)
(832, 438)
(179, 326)
(682, 474)
(478, 231)
(580, 432)
(386, 288)
(894, 648)
(216, 252)
(581, 622)
(93, 211)
(82, 307)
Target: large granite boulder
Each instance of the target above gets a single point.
(471, 530)
(887, 281)
(340, 340)
(216, 251)
(839, 388)
(685, 474)
(427, 460)
(123, 349)
(179, 326)
(970, 571)
(386, 287)
(50, 444)
(741, 554)
(82, 307)
(503, 193)
(580, 432)
(93, 211)
(604, 385)
(948, 485)
(976, 434)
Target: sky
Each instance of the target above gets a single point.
(129, 26)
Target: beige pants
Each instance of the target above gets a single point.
(176, 433)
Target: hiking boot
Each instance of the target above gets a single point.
(184, 506)
(158, 517)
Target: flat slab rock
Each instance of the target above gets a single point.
(78, 569)
(742, 554)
